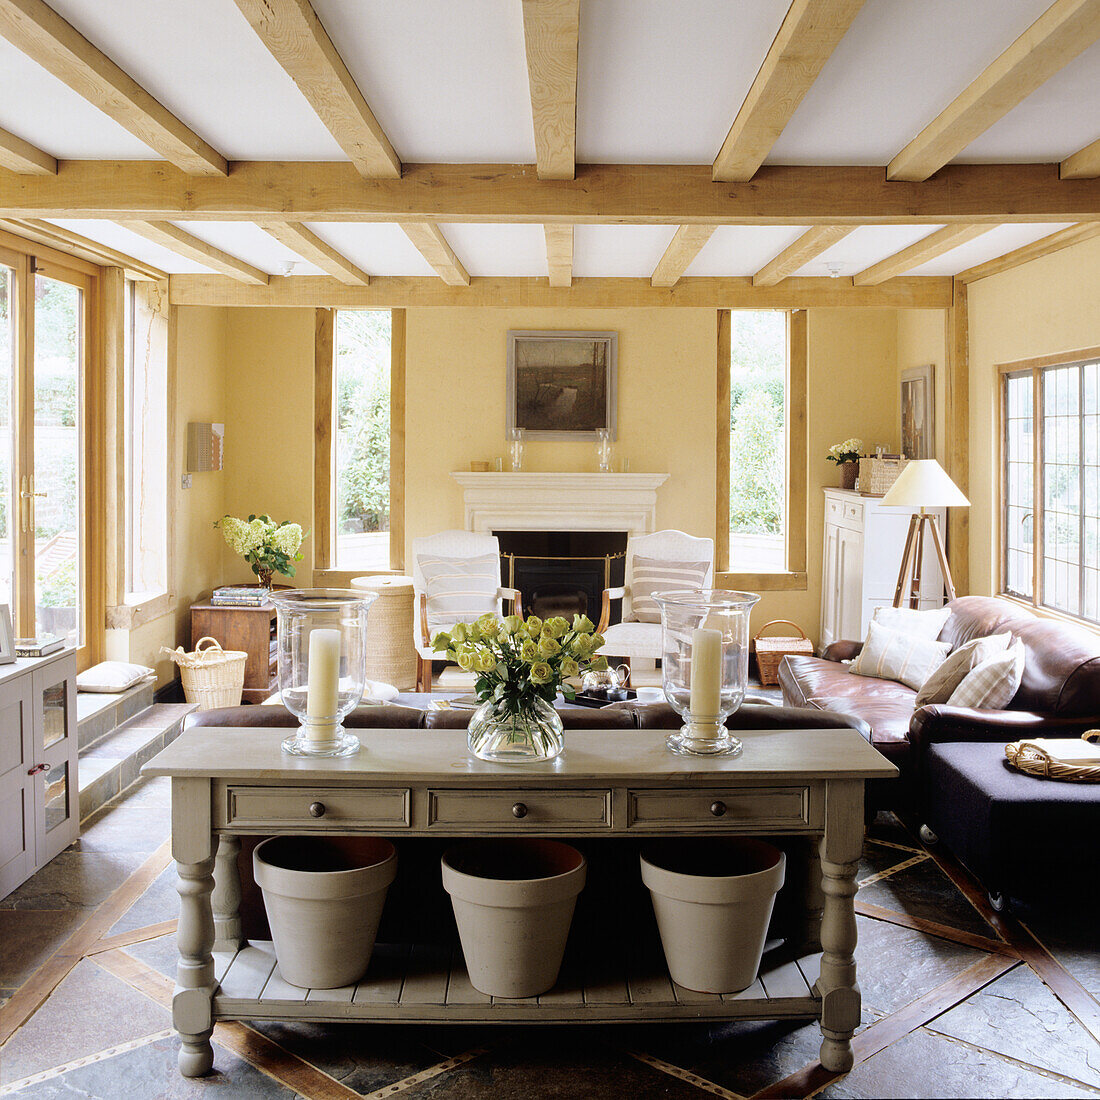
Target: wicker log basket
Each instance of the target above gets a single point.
(212, 677)
(1058, 758)
(770, 651)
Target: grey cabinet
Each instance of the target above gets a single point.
(39, 799)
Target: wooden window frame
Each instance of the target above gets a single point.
(323, 377)
(1035, 366)
(28, 260)
(794, 578)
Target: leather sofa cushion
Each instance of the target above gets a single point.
(806, 680)
(575, 718)
(388, 716)
(750, 716)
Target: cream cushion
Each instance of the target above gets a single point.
(632, 640)
(941, 684)
(993, 683)
(649, 575)
(920, 624)
(112, 677)
(906, 658)
(458, 590)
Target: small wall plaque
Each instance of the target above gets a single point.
(204, 447)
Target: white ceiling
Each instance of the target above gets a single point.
(658, 81)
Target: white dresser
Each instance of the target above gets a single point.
(862, 556)
(39, 799)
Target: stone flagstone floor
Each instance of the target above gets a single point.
(958, 1002)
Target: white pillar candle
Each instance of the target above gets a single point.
(324, 680)
(706, 674)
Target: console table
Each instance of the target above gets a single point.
(608, 786)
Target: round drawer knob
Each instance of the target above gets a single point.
(519, 810)
(718, 808)
(316, 809)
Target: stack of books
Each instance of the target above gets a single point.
(240, 595)
(42, 646)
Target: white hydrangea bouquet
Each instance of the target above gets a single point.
(267, 546)
(848, 451)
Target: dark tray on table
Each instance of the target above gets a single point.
(583, 700)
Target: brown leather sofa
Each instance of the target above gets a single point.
(1059, 695)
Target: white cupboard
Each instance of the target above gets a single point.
(862, 556)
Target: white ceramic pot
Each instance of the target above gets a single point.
(713, 900)
(324, 898)
(513, 902)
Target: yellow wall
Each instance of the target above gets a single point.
(922, 339)
(1046, 307)
(200, 358)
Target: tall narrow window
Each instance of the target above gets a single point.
(1050, 516)
(361, 440)
(758, 441)
(8, 498)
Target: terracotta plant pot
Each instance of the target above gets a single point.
(513, 902)
(324, 898)
(713, 901)
(849, 471)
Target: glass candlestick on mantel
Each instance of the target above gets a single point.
(515, 449)
(603, 450)
(322, 635)
(705, 665)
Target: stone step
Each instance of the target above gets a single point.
(114, 761)
(101, 713)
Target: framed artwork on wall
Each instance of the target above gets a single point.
(561, 385)
(918, 401)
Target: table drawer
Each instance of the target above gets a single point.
(519, 809)
(756, 806)
(321, 807)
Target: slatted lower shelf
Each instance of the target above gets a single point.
(427, 982)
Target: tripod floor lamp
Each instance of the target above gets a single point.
(922, 484)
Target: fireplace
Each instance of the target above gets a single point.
(562, 572)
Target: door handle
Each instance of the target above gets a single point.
(26, 495)
(38, 768)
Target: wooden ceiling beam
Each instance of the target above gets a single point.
(186, 244)
(1064, 30)
(807, 37)
(432, 245)
(1084, 164)
(559, 254)
(551, 33)
(292, 32)
(18, 155)
(928, 248)
(1073, 234)
(810, 245)
(682, 249)
(386, 292)
(311, 248)
(100, 254)
(662, 194)
(33, 27)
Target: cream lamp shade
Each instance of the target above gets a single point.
(924, 484)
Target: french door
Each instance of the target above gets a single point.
(45, 335)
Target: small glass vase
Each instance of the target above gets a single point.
(705, 665)
(505, 735)
(322, 646)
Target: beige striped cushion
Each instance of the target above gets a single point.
(651, 575)
(993, 683)
(941, 684)
(458, 590)
(905, 658)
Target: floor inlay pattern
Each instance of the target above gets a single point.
(959, 1001)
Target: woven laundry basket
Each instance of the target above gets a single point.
(770, 651)
(211, 676)
(391, 657)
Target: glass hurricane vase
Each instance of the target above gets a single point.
(506, 734)
(322, 636)
(705, 665)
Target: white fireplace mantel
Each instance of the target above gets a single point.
(560, 502)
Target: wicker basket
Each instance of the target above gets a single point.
(876, 475)
(1057, 758)
(212, 677)
(770, 651)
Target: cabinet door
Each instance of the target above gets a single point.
(56, 793)
(850, 585)
(16, 798)
(829, 591)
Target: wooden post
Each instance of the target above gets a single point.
(226, 897)
(958, 431)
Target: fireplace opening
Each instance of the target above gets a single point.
(563, 572)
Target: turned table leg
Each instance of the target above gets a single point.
(193, 849)
(841, 848)
(226, 898)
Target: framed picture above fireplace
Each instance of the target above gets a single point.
(561, 385)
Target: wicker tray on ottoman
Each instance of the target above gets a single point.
(770, 651)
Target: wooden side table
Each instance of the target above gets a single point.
(249, 628)
(391, 657)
